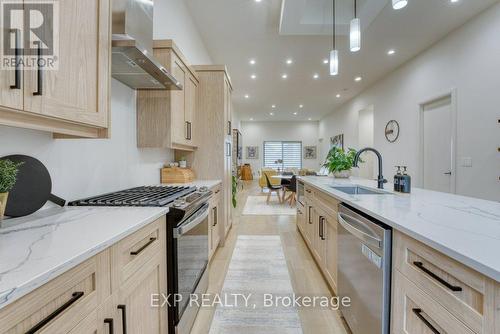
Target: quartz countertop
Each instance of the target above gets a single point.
(464, 228)
(197, 183)
(37, 248)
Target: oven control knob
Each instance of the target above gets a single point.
(179, 202)
(203, 189)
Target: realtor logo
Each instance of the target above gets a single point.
(30, 34)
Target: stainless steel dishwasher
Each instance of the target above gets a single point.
(364, 271)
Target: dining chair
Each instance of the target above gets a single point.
(292, 187)
(272, 188)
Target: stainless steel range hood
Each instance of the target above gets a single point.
(133, 62)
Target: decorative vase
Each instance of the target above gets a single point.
(345, 174)
(182, 164)
(3, 204)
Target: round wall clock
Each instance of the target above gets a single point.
(392, 131)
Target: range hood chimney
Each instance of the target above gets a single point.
(133, 62)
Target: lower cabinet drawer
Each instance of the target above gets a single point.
(463, 291)
(129, 255)
(61, 304)
(415, 312)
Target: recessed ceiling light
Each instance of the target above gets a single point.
(295, 113)
(284, 76)
(338, 96)
(271, 113)
(454, 1)
(358, 79)
(325, 61)
(301, 106)
(273, 106)
(247, 96)
(253, 76)
(251, 119)
(252, 61)
(309, 119)
(316, 76)
(391, 52)
(258, 0)
(397, 4)
(289, 61)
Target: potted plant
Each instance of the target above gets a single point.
(183, 162)
(340, 162)
(8, 177)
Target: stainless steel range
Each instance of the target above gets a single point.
(187, 241)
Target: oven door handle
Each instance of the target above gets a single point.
(196, 219)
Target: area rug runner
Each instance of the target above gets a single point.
(256, 205)
(257, 269)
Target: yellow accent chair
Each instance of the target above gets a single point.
(269, 172)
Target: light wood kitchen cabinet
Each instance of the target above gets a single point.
(166, 118)
(73, 99)
(108, 288)
(464, 297)
(213, 159)
(320, 232)
(301, 216)
(213, 221)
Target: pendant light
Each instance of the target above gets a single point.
(399, 4)
(355, 34)
(334, 54)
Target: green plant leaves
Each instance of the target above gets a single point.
(8, 174)
(339, 160)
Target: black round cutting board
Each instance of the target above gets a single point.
(32, 189)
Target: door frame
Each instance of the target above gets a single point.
(452, 94)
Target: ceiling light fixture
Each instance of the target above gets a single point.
(316, 76)
(338, 96)
(301, 106)
(325, 61)
(247, 96)
(334, 54)
(454, 1)
(399, 4)
(253, 76)
(358, 79)
(284, 76)
(310, 119)
(289, 61)
(258, 0)
(295, 113)
(271, 113)
(252, 61)
(355, 34)
(251, 119)
(391, 52)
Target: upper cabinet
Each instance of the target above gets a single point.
(71, 99)
(165, 119)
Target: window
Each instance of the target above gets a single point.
(289, 152)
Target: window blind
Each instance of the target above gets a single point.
(289, 152)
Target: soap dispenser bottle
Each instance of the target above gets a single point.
(397, 179)
(405, 183)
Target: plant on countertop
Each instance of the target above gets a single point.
(8, 174)
(234, 189)
(339, 160)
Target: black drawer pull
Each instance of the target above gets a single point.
(39, 91)
(137, 252)
(309, 219)
(420, 266)
(74, 297)
(17, 79)
(419, 312)
(123, 308)
(111, 327)
(215, 216)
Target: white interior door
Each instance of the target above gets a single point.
(365, 139)
(437, 141)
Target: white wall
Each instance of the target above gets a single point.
(256, 133)
(467, 60)
(88, 167)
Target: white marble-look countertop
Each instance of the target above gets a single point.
(40, 247)
(197, 183)
(464, 228)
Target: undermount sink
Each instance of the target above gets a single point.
(357, 190)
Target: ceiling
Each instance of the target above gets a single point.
(270, 32)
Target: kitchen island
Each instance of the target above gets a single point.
(445, 264)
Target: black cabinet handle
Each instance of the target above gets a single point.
(418, 313)
(321, 227)
(420, 266)
(215, 216)
(188, 131)
(229, 128)
(310, 221)
(74, 297)
(110, 323)
(17, 80)
(137, 252)
(123, 308)
(39, 91)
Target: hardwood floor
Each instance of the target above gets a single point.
(305, 276)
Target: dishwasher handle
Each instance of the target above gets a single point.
(344, 221)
